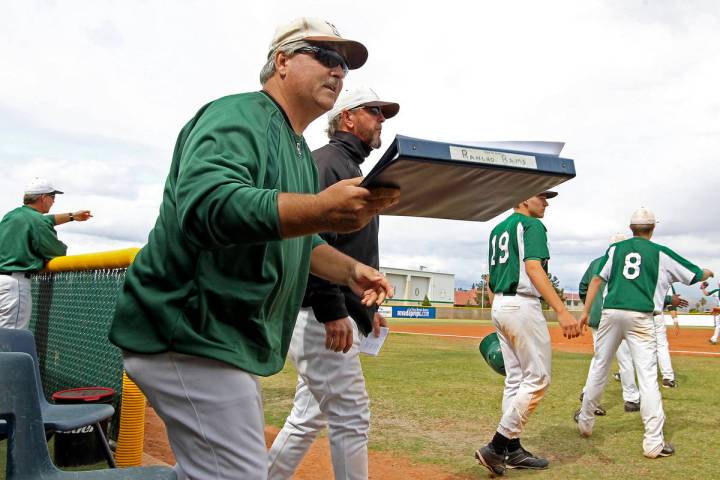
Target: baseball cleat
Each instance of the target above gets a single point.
(521, 458)
(582, 428)
(599, 411)
(712, 342)
(632, 406)
(494, 462)
(616, 376)
(666, 451)
(667, 383)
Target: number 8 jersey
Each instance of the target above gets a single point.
(638, 272)
(512, 241)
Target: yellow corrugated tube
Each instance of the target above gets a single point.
(129, 449)
(93, 261)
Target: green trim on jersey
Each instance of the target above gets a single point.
(714, 291)
(513, 241)
(639, 273)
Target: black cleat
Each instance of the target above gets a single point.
(599, 411)
(616, 376)
(667, 451)
(667, 383)
(494, 462)
(632, 406)
(521, 458)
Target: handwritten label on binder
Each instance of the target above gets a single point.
(490, 157)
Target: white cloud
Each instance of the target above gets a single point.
(94, 94)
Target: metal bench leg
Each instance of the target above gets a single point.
(106, 447)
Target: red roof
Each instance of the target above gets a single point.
(466, 297)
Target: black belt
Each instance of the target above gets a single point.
(26, 274)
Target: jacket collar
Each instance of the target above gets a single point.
(351, 145)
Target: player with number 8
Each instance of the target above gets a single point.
(638, 272)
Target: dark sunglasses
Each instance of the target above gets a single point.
(327, 57)
(375, 111)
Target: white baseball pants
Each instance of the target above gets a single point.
(15, 301)
(525, 344)
(626, 367)
(638, 329)
(663, 348)
(627, 373)
(330, 392)
(716, 333)
(212, 411)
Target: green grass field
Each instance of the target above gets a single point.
(435, 401)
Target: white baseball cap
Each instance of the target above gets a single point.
(643, 216)
(38, 186)
(618, 237)
(362, 97)
(317, 30)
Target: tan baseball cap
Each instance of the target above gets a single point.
(643, 216)
(316, 30)
(362, 97)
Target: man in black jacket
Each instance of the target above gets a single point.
(325, 343)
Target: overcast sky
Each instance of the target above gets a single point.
(94, 93)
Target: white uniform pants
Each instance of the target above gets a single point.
(525, 345)
(330, 391)
(663, 349)
(638, 329)
(631, 393)
(716, 333)
(212, 411)
(15, 301)
(627, 370)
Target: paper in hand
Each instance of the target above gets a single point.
(371, 344)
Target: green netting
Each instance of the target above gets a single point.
(72, 313)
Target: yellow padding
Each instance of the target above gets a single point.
(93, 261)
(129, 449)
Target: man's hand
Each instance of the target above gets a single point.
(583, 322)
(570, 326)
(339, 335)
(348, 207)
(678, 301)
(81, 215)
(372, 287)
(378, 321)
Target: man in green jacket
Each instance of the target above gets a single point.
(27, 241)
(210, 303)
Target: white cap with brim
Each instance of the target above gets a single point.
(643, 216)
(362, 97)
(317, 30)
(38, 186)
(618, 237)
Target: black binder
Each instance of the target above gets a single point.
(463, 182)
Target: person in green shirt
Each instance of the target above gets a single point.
(518, 260)
(637, 273)
(27, 241)
(715, 311)
(210, 303)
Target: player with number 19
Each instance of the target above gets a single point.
(518, 259)
(638, 272)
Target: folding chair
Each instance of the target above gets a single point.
(57, 417)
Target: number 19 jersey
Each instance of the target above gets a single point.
(512, 241)
(638, 272)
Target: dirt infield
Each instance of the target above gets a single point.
(316, 464)
(690, 341)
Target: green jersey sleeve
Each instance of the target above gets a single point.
(45, 241)
(714, 291)
(535, 241)
(220, 195)
(317, 241)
